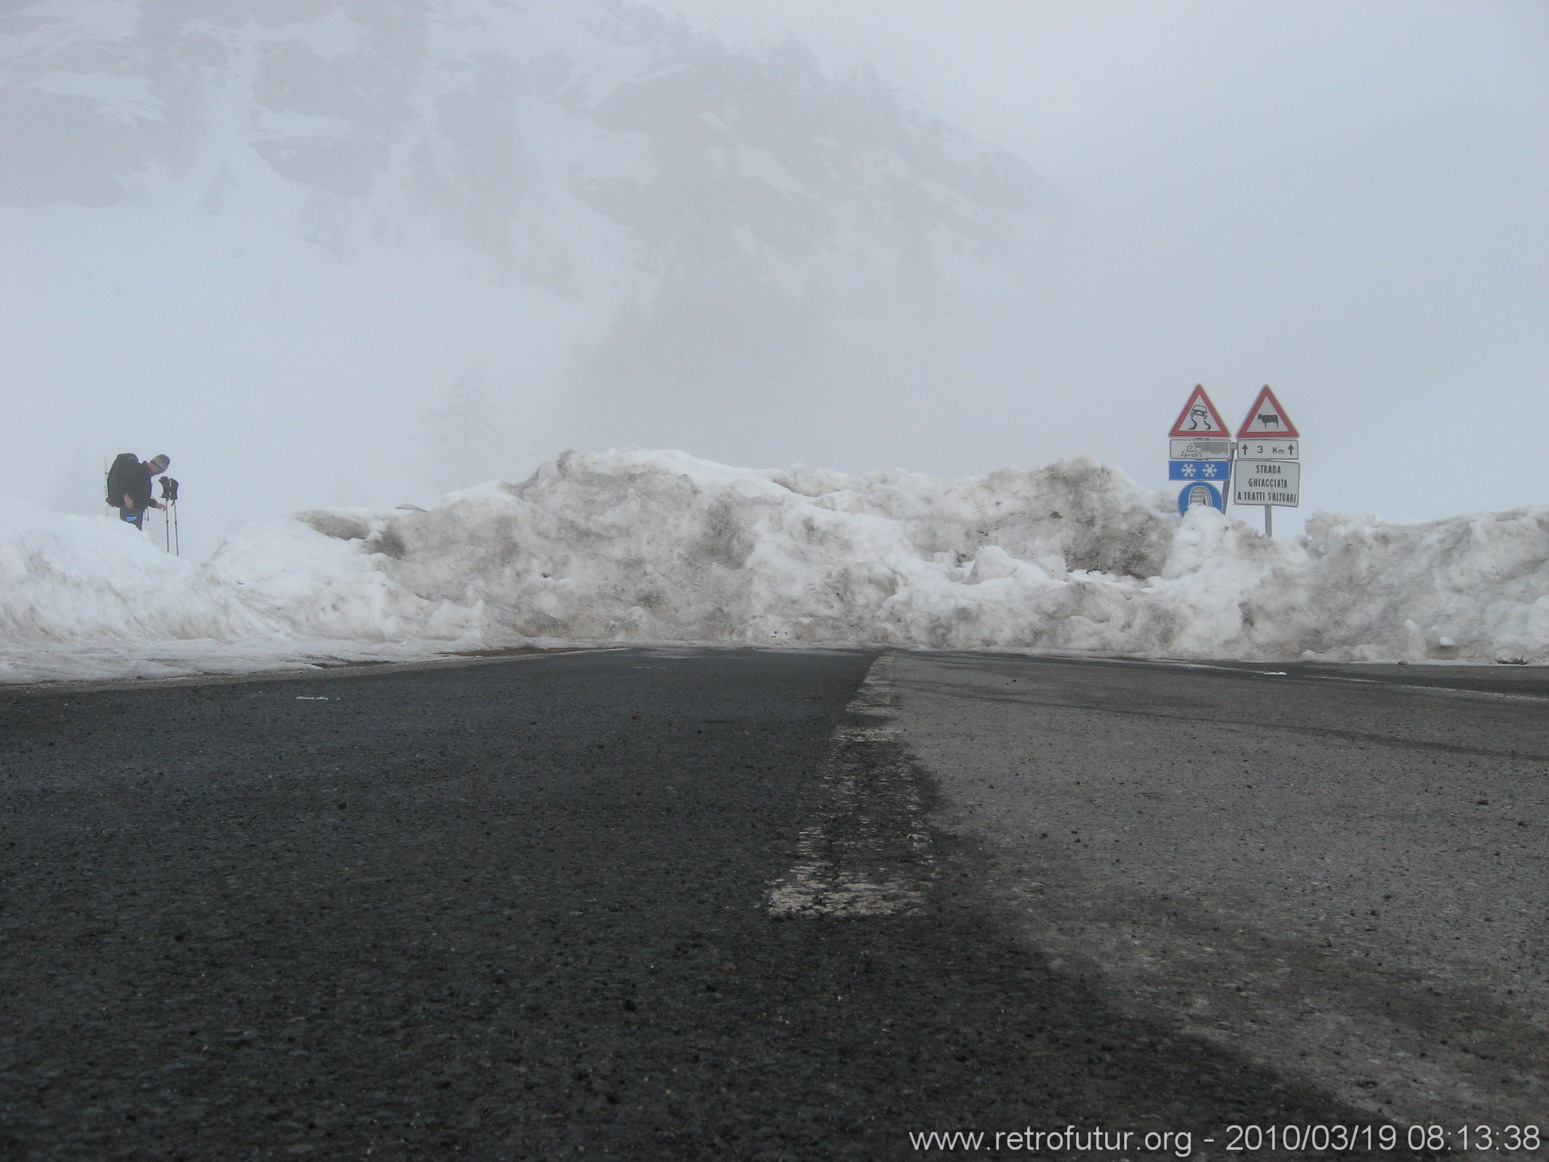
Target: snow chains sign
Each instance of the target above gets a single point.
(1201, 494)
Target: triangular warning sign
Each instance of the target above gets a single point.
(1267, 418)
(1200, 418)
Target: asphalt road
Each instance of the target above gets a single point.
(1339, 872)
(635, 904)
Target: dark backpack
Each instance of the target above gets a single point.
(118, 482)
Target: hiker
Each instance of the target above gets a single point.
(129, 486)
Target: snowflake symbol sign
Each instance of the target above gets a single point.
(1188, 471)
(1210, 470)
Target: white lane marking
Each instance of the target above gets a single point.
(868, 852)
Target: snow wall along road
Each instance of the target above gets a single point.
(661, 547)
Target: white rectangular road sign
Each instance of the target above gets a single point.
(1201, 448)
(1267, 482)
(1259, 448)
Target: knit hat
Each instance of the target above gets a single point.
(161, 463)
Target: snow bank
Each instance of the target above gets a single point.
(653, 547)
(89, 597)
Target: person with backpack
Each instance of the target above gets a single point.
(129, 486)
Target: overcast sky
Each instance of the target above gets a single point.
(1345, 199)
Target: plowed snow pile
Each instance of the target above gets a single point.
(661, 547)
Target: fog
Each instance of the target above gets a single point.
(322, 253)
(1344, 201)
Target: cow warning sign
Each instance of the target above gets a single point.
(1267, 418)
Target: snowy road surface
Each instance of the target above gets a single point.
(682, 904)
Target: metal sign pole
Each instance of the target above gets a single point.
(1269, 521)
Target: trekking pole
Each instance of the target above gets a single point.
(169, 494)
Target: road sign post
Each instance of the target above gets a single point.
(1266, 466)
(1200, 453)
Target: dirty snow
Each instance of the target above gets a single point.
(637, 547)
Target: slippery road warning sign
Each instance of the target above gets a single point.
(1267, 418)
(1199, 417)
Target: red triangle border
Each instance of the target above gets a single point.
(1199, 393)
(1289, 432)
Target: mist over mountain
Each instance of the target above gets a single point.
(342, 251)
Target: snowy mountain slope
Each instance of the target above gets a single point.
(317, 216)
(652, 547)
(486, 115)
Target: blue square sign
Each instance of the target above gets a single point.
(1208, 470)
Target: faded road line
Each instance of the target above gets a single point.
(867, 852)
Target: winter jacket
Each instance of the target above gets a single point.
(134, 483)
